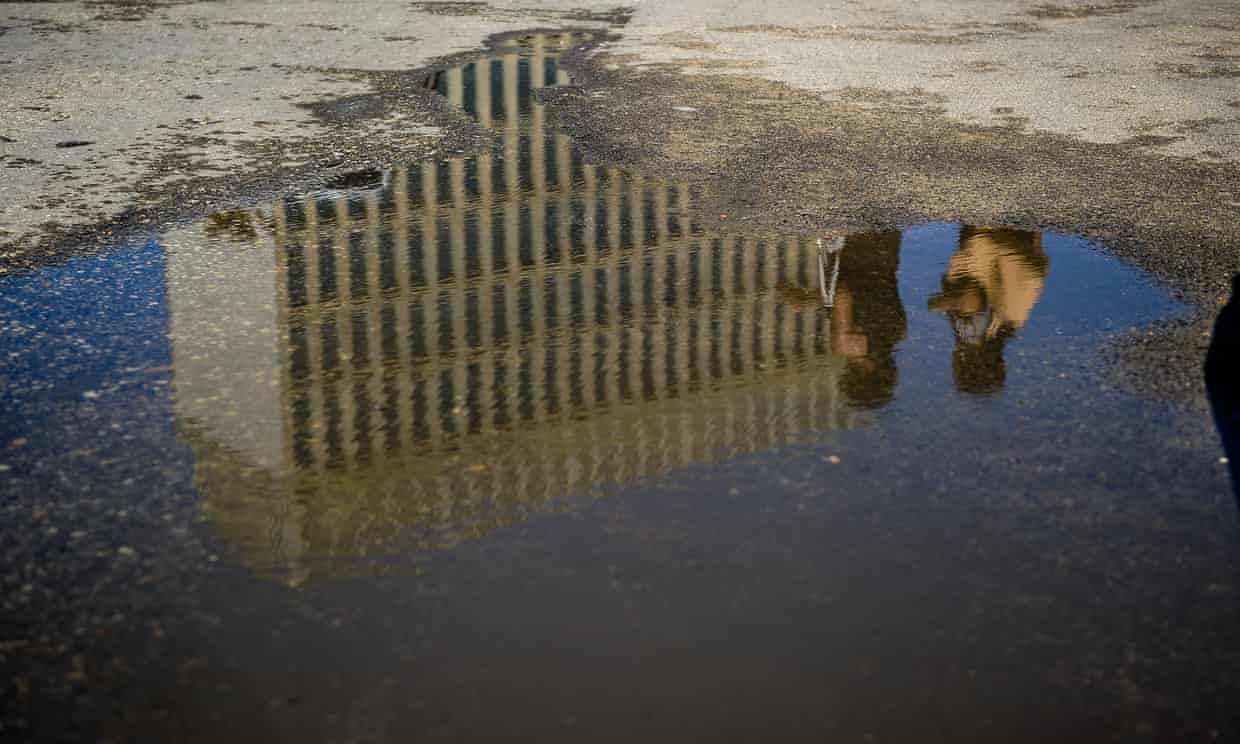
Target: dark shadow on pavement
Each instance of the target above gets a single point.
(1222, 370)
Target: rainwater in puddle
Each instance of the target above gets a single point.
(513, 445)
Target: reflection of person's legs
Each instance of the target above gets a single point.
(978, 366)
(1222, 372)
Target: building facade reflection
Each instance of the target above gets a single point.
(478, 337)
(431, 353)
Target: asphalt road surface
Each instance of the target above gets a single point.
(680, 371)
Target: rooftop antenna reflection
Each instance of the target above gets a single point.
(831, 252)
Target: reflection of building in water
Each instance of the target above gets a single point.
(989, 290)
(482, 336)
(497, 90)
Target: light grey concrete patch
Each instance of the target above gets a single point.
(1101, 72)
(202, 82)
(170, 93)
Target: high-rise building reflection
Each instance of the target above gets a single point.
(474, 338)
(427, 353)
(989, 290)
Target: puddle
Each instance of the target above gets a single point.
(610, 432)
(416, 357)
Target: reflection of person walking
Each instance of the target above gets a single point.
(868, 321)
(858, 285)
(990, 288)
(1222, 370)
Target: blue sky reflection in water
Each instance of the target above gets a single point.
(78, 326)
(85, 354)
